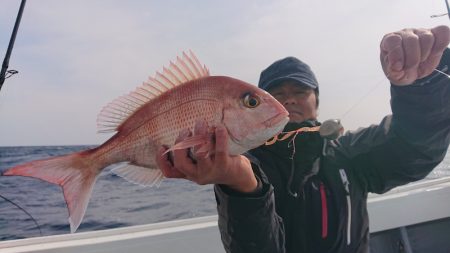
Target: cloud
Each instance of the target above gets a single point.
(76, 56)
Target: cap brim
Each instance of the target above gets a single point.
(301, 81)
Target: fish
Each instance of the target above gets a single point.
(152, 116)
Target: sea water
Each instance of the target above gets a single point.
(114, 202)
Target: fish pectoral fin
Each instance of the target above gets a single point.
(139, 175)
(206, 149)
(190, 142)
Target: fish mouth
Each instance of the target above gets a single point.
(276, 120)
(273, 126)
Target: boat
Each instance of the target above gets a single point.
(410, 218)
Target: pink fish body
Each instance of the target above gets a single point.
(153, 115)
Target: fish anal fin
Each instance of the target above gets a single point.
(139, 175)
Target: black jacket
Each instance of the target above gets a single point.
(317, 201)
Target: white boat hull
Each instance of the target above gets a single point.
(397, 210)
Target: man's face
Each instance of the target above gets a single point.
(299, 101)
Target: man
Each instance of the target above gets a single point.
(309, 194)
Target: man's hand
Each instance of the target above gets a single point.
(411, 54)
(216, 168)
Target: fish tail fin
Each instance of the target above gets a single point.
(76, 173)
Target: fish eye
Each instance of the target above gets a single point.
(251, 101)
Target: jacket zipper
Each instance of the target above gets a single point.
(323, 197)
(349, 204)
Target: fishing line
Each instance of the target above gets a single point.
(363, 97)
(35, 222)
(442, 72)
(374, 88)
(437, 70)
(335, 129)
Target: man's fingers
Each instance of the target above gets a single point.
(200, 129)
(392, 52)
(221, 154)
(426, 42)
(396, 75)
(411, 54)
(162, 160)
(429, 65)
(411, 50)
(441, 39)
(181, 159)
(201, 152)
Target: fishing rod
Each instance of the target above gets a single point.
(3, 76)
(5, 64)
(445, 14)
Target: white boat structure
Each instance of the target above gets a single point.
(413, 218)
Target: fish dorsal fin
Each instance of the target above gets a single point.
(185, 68)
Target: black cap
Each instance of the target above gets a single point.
(289, 68)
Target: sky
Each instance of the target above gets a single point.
(75, 56)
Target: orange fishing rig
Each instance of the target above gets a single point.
(284, 135)
(330, 129)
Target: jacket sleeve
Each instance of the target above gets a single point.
(249, 223)
(406, 145)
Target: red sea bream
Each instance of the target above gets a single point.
(153, 115)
